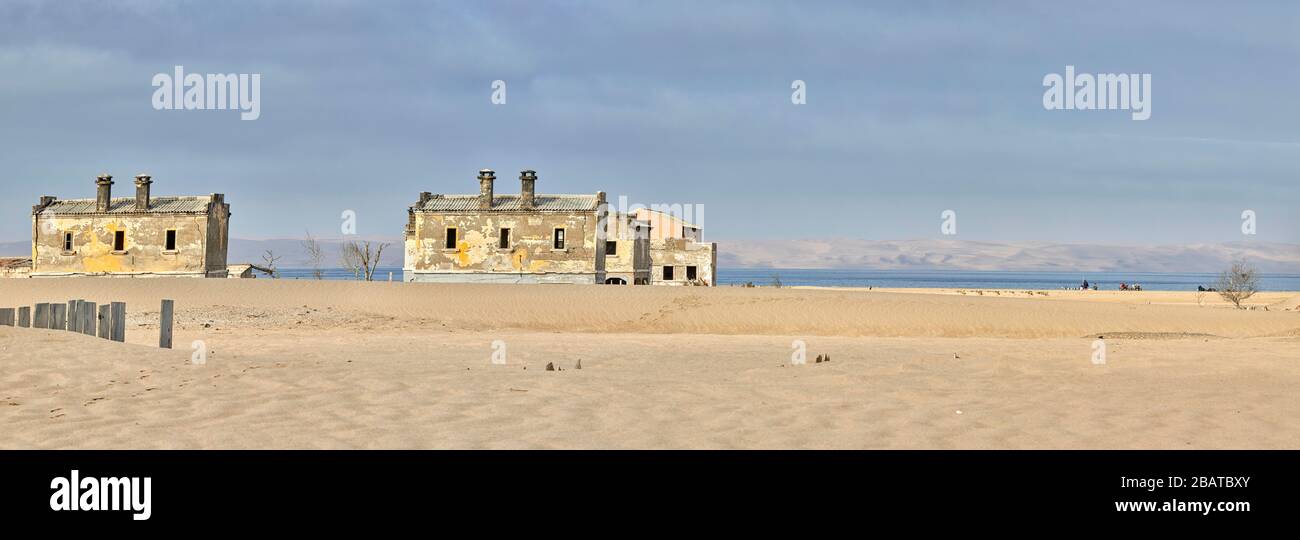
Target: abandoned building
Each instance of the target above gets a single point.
(627, 250)
(533, 238)
(678, 252)
(524, 238)
(141, 236)
(15, 267)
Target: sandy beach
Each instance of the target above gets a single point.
(306, 364)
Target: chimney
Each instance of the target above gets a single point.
(527, 189)
(424, 198)
(142, 182)
(46, 200)
(104, 192)
(485, 179)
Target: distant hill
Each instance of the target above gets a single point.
(882, 255)
(968, 255)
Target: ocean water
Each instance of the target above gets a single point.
(922, 279)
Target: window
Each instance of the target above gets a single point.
(171, 241)
(690, 273)
(559, 238)
(504, 242)
(668, 273)
(67, 241)
(119, 241)
(451, 238)
(611, 247)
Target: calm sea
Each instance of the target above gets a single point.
(965, 279)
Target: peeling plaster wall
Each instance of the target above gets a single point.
(530, 258)
(146, 236)
(680, 253)
(631, 262)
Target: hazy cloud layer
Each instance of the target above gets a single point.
(913, 108)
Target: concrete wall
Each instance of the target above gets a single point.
(200, 244)
(680, 253)
(218, 235)
(631, 260)
(530, 257)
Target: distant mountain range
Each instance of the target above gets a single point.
(1029, 256)
(882, 255)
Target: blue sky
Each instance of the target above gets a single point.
(912, 108)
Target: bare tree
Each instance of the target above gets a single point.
(362, 258)
(315, 255)
(776, 280)
(1238, 283)
(268, 260)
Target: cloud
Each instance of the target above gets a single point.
(913, 108)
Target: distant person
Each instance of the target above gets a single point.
(1085, 284)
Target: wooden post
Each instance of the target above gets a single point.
(87, 319)
(42, 315)
(103, 319)
(117, 328)
(7, 316)
(25, 317)
(59, 316)
(165, 324)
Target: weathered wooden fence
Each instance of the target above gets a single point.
(108, 321)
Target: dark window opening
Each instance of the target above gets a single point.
(451, 238)
(171, 240)
(559, 238)
(690, 273)
(615, 281)
(119, 241)
(67, 241)
(504, 242)
(668, 273)
(611, 247)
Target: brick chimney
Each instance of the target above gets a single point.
(142, 182)
(46, 200)
(485, 179)
(527, 189)
(424, 198)
(104, 192)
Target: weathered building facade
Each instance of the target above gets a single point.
(141, 236)
(678, 252)
(524, 238)
(627, 250)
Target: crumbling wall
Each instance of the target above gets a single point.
(631, 260)
(680, 253)
(92, 244)
(530, 256)
(218, 238)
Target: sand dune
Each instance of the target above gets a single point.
(355, 365)
(724, 310)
